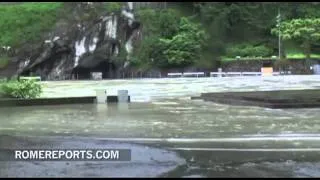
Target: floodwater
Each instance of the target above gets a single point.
(217, 140)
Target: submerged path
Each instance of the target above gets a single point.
(145, 161)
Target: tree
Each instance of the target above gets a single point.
(184, 48)
(305, 31)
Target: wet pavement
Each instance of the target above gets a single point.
(216, 140)
(145, 161)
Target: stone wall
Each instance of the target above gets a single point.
(301, 66)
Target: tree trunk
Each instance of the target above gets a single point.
(307, 49)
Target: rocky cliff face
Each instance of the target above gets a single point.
(77, 47)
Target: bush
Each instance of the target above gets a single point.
(113, 7)
(3, 80)
(25, 89)
(246, 50)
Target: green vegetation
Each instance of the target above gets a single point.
(248, 50)
(228, 30)
(25, 22)
(25, 89)
(169, 40)
(2, 81)
(302, 56)
(187, 33)
(305, 31)
(113, 7)
(185, 47)
(4, 61)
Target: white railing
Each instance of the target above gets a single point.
(251, 73)
(186, 74)
(174, 74)
(194, 74)
(212, 74)
(234, 73)
(224, 74)
(218, 74)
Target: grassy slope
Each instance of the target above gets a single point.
(24, 22)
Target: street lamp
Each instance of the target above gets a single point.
(278, 25)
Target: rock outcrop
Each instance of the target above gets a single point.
(76, 47)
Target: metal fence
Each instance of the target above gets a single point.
(143, 75)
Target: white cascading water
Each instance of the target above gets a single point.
(111, 27)
(6, 48)
(116, 51)
(58, 69)
(24, 64)
(129, 14)
(80, 50)
(93, 46)
(128, 44)
(111, 23)
(100, 27)
(56, 38)
(130, 4)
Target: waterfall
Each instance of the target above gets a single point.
(129, 14)
(116, 51)
(111, 27)
(110, 23)
(93, 46)
(128, 45)
(56, 38)
(59, 68)
(80, 50)
(130, 4)
(6, 48)
(24, 63)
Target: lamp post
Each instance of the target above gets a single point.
(279, 27)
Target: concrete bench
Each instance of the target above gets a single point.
(36, 78)
(193, 74)
(174, 74)
(102, 97)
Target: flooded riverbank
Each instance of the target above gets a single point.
(216, 140)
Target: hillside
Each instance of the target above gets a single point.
(71, 39)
